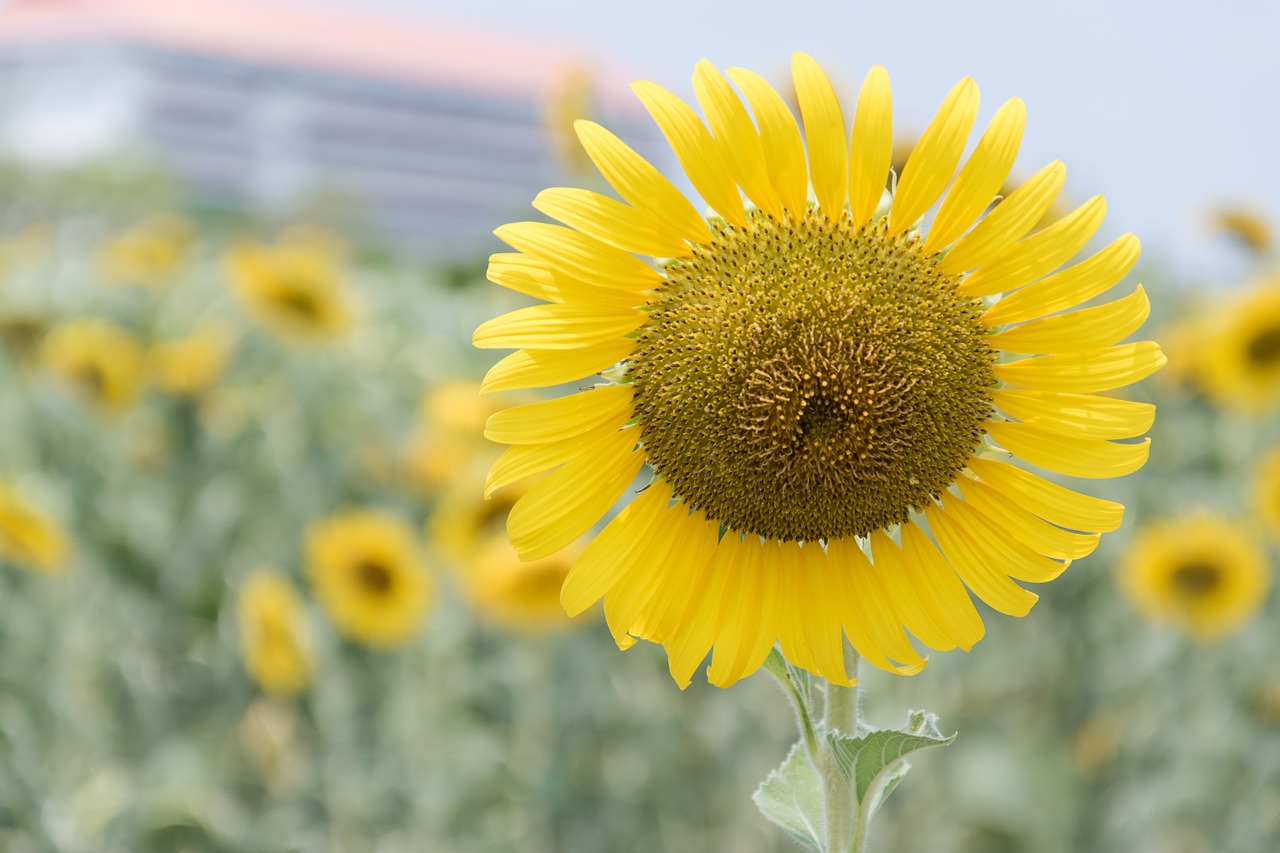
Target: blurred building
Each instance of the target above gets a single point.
(433, 134)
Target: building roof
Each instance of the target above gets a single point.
(380, 45)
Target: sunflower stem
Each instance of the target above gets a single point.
(846, 819)
(776, 666)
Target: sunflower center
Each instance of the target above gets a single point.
(806, 380)
(1195, 580)
(1264, 349)
(299, 302)
(373, 576)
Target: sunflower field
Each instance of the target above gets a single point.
(267, 585)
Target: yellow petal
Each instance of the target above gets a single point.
(1077, 414)
(1070, 287)
(572, 498)
(890, 565)
(940, 592)
(747, 625)
(578, 256)
(524, 460)
(1024, 527)
(809, 630)
(560, 418)
(610, 221)
(871, 146)
(557, 327)
(934, 159)
(1039, 254)
(534, 368)
(687, 649)
(1085, 372)
(1090, 328)
(530, 276)
(972, 563)
(624, 541)
(1075, 457)
(1004, 553)
(740, 143)
(783, 147)
(866, 612)
(981, 178)
(1008, 222)
(824, 134)
(701, 156)
(1052, 502)
(640, 183)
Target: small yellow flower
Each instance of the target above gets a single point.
(1201, 572)
(295, 292)
(28, 538)
(273, 635)
(1248, 228)
(189, 366)
(516, 595)
(1240, 354)
(367, 573)
(1266, 492)
(102, 360)
(150, 254)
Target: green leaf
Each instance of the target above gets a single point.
(864, 760)
(791, 797)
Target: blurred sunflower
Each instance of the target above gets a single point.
(803, 378)
(515, 595)
(1199, 572)
(568, 99)
(101, 360)
(366, 571)
(1239, 356)
(292, 289)
(1266, 492)
(465, 519)
(150, 254)
(445, 443)
(29, 538)
(189, 366)
(273, 634)
(1248, 228)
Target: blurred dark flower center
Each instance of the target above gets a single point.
(373, 576)
(1196, 579)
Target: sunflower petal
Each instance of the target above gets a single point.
(640, 183)
(1055, 504)
(534, 368)
(1008, 221)
(687, 649)
(1022, 526)
(1005, 553)
(565, 504)
(973, 564)
(783, 147)
(610, 221)
(740, 143)
(824, 134)
(701, 156)
(524, 460)
(810, 626)
(530, 276)
(1075, 457)
(934, 159)
(1085, 372)
(559, 418)
(578, 256)
(890, 565)
(1070, 287)
(746, 627)
(1077, 414)
(1039, 254)
(557, 327)
(1090, 328)
(981, 178)
(941, 593)
(871, 145)
(866, 612)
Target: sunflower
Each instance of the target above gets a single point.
(1246, 227)
(29, 538)
(293, 289)
(272, 634)
(814, 384)
(189, 366)
(98, 358)
(1240, 353)
(445, 443)
(366, 572)
(514, 594)
(150, 254)
(1201, 572)
(1266, 492)
(464, 521)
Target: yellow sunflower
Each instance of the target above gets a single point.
(189, 366)
(273, 634)
(814, 384)
(366, 571)
(100, 359)
(514, 594)
(446, 442)
(150, 254)
(1247, 227)
(29, 538)
(293, 289)
(1203, 573)
(1239, 356)
(1266, 492)
(464, 521)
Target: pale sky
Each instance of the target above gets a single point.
(1167, 108)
